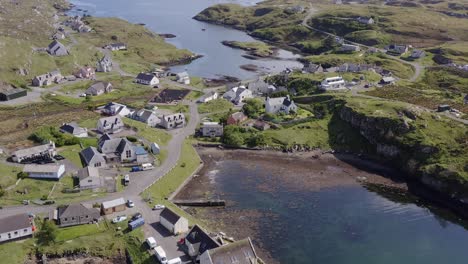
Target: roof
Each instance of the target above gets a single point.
(238, 116)
(73, 210)
(144, 114)
(31, 168)
(99, 86)
(32, 150)
(170, 216)
(88, 172)
(182, 74)
(89, 153)
(111, 119)
(7, 89)
(72, 128)
(388, 79)
(113, 203)
(239, 252)
(198, 235)
(118, 44)
(155, 145)
(14, 222)
(145, 76)
(139, 150)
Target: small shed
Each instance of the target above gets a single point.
(8, 92)
(155, 148)
(109, 207)
(173, 222)
(141, 155)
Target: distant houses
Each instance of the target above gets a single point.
(183, 77)
(77, 24)
(113, 109)
(173, 222)
(349, 48)
(387, 80)
(173, 121)
(99, 88)
(73, 129)
(283, 105)
(417, 54)
(312, 68)
(56, 48)
(396, 49)
(8, 92)
(211, 129)
(45, 171)
(333, 83)
(110, 125)
(147, 79)
(86, 72)
(146, 116)
(47, 79)
(104, 64)
(241, 252)
(208, 97)
(75, 214)
(238, 94)
(16, 227)
(116, 46)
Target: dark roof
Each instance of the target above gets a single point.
(7, 89)
(73, 210)
(287, 101)
(169, 215)
(53, 43)
(88, 154)
(170, 95)
(240, 252)
(14, 222)
(198, 235)
(123, 143)
(145, 76)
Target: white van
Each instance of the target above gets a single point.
(160, 255)
(147, 166)
(126, 180)
(151, 242)
(175, 261)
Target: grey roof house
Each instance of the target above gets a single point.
(146, 116)
(416, 54)
(117, 149)
(99, 88)
(74, 129)
(8, 92)
(198, 241)
(57, 49)
(239, 252)
(146, 79)
(15, 227)
(92, 157)
(280, 105)
(89, 178)
(111, 125)
(75, 214)
(104, 64)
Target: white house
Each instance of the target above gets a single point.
(147, 79)
(146, 116)
(113, 108)
(183, 77)
(15, 227)
(173, 222)
(238, 94)
(46, 171)
(74, 129)
(89, 178)
(211, 129)
(198, 241)
(333, 83)
(46, 150)
(209, 97)
(111, 125)
(57, 49)
(155, 149)
(280, 105)
(239, 252)
(173, 121)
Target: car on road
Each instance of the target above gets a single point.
(151, 242)
(158, 207)
(119, 219)
(130, 203)
(136, 216)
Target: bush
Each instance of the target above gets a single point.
(50, 133)
(253, 107)
(132, 139)
(22, 175)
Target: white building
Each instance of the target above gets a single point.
(146, 116)
(147, 79)
(211, 129)
(15, 227)
(173, 222)
(208, 97)
(73, 129)
(238, 94)
(280, 105)
(349, 48)
(239, 252)
(111, 125)
(46, 171)
(173, 121)
(113, 108)
(333, 83)
(183, 77)
(46, 150)
(89, 178)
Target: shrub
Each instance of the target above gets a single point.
(22, 175)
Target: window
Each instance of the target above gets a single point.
(66, 219)
(16, 233)
(73, 218)
(97, 164)
(128, 154)
(87, 216)
(25, 231)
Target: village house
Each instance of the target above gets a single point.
(43, 151)
(333, 83)
(86, 72)
(209, 97)
(113, 206)
(147, 79)
(8, 92)
(91, 157)
(77, 24)
(47, 79)
(56, 48)
(16, 227)
(116, 149)
(239, 252)
(238, 94)
(236, 118)
(110, 125)
(417, 54)
(396, 49)
(116, 46)
(198, 241)
(312, 68)
(282, 105)
(46, 171)
(155, 149)
(75, 130)
(172, 121)
(112, 109)
(261, 125)
(211, 129)
(173, 222)
(260, 87)
(387, 80)
(74, 214)
(89, 178)
(104, 64)
(349, 48)
(183, 77)
(146, 116)
(99, 88)
(142, 155)
(58, 35)
(365, 20)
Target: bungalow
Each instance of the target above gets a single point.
(56, 48)
(75, 214)
(312, 68)
(236, 118)
(365, 20)
(155, 149)
(280, 105)
(198, 241)
(117, 205)
(91, 157)
(16, 227)
(209, 97)
(86, 72)
(8, 92)
(146, 116)
(387, 80)
(141, 155)
(173, 121)
(417, 54)
(47, 171)
(74, 129)
(89, 178)
(104, 64)
(110, 125)
(147, 79)
(173, 222)
(333, 83)
(396, 49)
(42, 151)
(113, 109)
(211, 129)
(238, 94)
(116, 46)
(349, 48)
(116, 149)
(47, 79)
(183, 77)
(99, 88)
(239, 252)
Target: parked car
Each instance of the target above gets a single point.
(59, 157)
(83, 95)
(136, 223)
(174, 261)
(158, 207)
(136, 216)
(119, 219)
(135, 169)
(151, 242)
(160, 254)
(130, 203)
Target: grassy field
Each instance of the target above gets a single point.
(218, 105)
(151, 134)
(16, 252)
(72, 153)
(8, 174)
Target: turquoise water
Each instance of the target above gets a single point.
(341, 224)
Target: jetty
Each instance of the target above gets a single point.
(200, 202)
